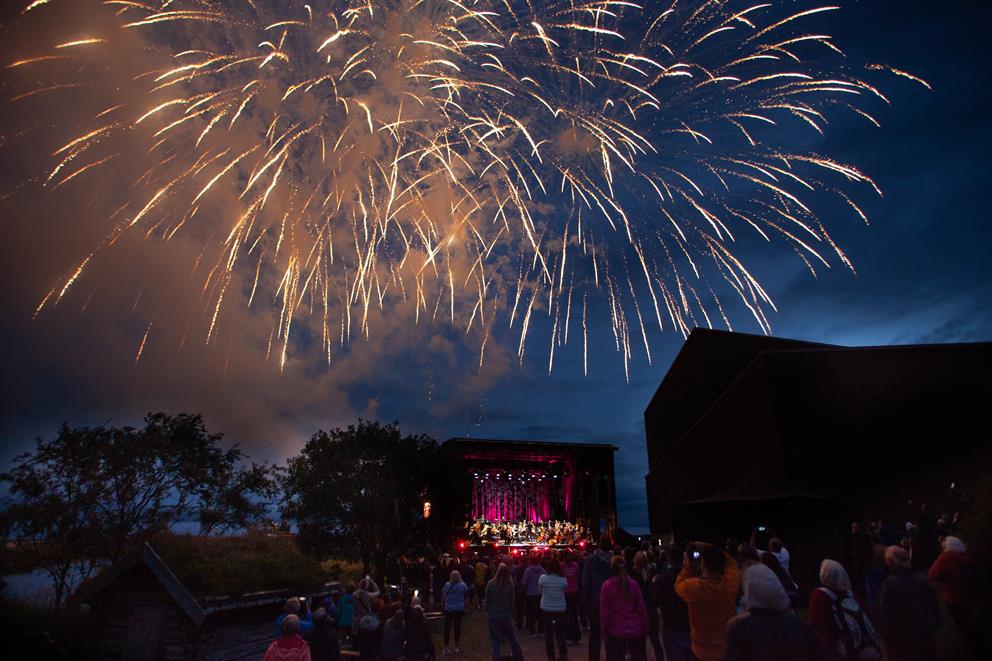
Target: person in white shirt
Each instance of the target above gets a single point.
(776, 548)
(552, 586)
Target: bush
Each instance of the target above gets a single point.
(237, 565)
(345, 571)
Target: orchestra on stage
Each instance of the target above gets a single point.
(525, 533)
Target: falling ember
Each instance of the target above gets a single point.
(141, 346)
(35, 5)
(338, 159)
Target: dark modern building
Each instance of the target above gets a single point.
(536, 481)
(804, 438)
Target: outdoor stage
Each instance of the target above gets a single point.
(527, 494)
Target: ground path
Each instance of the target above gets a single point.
(475, 641)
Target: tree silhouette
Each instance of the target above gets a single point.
(88, 495)
(359, 491)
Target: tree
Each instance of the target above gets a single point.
(90, 494)
(238, 498)
(358, 491)
(54, 505)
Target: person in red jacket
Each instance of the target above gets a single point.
(960, 584)
(952, 572)
(840, 619)
(289, 646)
(623, 619)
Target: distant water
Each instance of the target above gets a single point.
(33, 588)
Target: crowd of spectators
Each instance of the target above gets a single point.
(887, 599)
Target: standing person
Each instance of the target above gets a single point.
(370, 633)
(777, 548)
(346, 612)
(481, 578)
(770, 560)
(417, 642)
(500, 604)
(293, 607)
(924, 545)
(768, 629)
(960, 584)
(860, 548)
(583, 610)
(323, 638)
(392, 637)
(365, 597)
(674, 612)
(594, 574)
(390, 604)
(570, 570)
(839, 618)
(453, 594)
(519, 592)
(438, 572)
(875, 577)
(467, 569)
(289, 646)
(532, 594)
(552, 586)
(908, 612)
(623, 619)
(709, 582)
(644, 571)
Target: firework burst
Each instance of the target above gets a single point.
(482, 164)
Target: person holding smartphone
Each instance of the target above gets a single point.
(293, 607)
(708, 583)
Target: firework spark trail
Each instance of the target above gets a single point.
(461, 150)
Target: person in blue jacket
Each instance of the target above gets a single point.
(453, 596)
(346, 612)
(293, 608)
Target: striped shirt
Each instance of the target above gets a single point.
(552, 588)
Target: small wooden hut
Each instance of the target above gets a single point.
(141, 610)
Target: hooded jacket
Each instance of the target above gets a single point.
(767, 630)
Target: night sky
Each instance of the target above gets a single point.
(923, 276)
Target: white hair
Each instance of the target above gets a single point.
(762, 589)
(834, 576)
(954, 544)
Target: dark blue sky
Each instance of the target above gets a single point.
(924, 275)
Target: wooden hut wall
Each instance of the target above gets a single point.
(136, 618)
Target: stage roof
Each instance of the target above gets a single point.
(555, 444)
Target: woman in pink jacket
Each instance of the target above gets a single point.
(623, 619)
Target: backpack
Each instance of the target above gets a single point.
(857, 638)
